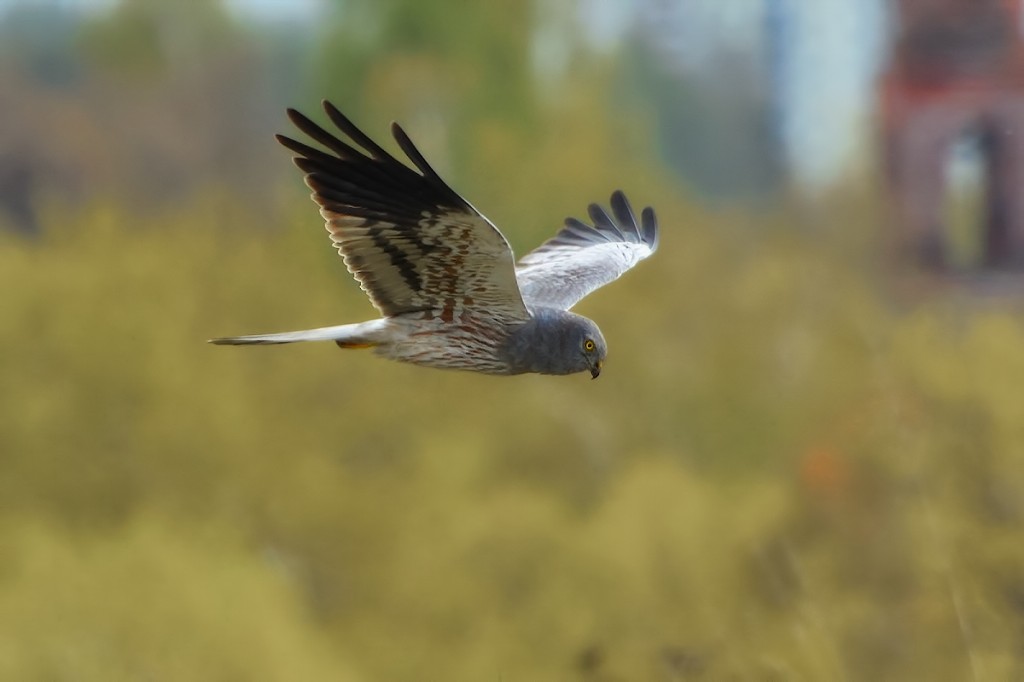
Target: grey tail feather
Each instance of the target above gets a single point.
(353, 335)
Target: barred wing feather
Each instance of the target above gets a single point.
(414, 244)
(582, 257)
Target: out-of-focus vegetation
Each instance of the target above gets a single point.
(781, 474)
(777, 475)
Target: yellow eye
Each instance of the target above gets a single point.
(588, 345)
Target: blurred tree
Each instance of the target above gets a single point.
(38, 39)
(148, 102)
(792, 481)
(437, 66)
(150, 41)
(713, 112)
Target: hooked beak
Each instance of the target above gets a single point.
(595, 370)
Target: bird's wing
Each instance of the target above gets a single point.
(582, 258)
(411, 241)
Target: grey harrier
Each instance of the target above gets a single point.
(443, 277)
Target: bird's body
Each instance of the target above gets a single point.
(443, 277)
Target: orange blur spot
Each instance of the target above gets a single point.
(824, 471)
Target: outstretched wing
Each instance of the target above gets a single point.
(582, 258)
(412, 242)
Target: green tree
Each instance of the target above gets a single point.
(424, 62)
(153, 40)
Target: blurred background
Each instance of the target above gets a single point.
(804, 459)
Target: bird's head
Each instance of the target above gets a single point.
(587, 343)
(557, 342)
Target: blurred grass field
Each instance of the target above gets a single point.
(780, 475)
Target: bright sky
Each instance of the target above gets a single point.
(269, 10)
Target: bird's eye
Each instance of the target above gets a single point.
(588, 345)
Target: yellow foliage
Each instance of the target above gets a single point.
(150, 601)
(778, 475)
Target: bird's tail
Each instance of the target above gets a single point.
(359, 335)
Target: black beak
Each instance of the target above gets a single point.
(595, 370)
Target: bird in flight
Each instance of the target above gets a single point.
(444, 279)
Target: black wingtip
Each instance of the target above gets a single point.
(298, 118)
(354, 133)
(649, 226)
(624, 213)
(299, 149)
(647, 230)
(604, 222)
(407, 146)
(620, 225)
(287, 142)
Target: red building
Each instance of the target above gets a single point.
(957, 68)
